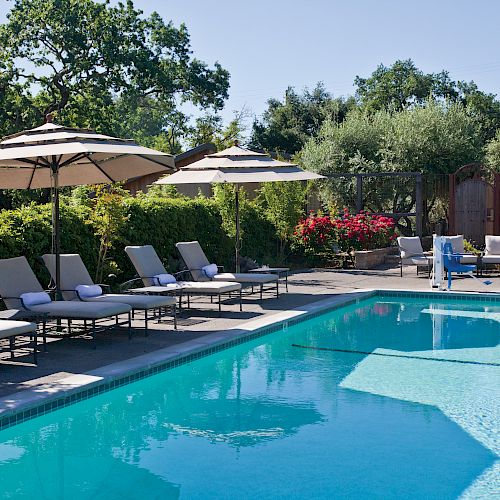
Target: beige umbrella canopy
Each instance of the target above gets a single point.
(237, 165)
(52, 156)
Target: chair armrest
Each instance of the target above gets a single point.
(126, 284)
(183, 273)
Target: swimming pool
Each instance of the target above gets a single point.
(390, 397)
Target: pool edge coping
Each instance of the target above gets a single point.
(31, 403)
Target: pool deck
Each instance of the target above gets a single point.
(70, 358)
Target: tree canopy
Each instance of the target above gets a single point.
(77, 57)
(287, 125)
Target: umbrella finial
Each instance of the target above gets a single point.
(49, 117)
(236, 142)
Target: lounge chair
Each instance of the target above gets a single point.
(197, 263)
(74, 274)
(149, 266)
(11, 329)
(411, 253)
(457, 244)
(491, 254)
(18, 279)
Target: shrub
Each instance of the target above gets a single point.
(363, 231)
(315, 234)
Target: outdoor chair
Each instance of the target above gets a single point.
(452, 263)
(74, 274)
(12, 329)
(20, 289)
(198, 265)
(491, 254)
(457, 244)
(411, 253)
(150, 270)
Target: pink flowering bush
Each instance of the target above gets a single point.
(363, 231)
(318, 234)
(314, 234)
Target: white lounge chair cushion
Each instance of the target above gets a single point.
(421, 260)
(247, 277)
(210, 271)
(88, 291)
(34, 298)
(468, 258)
(492, 245)
(202, 287)
(491, 259)
(410, 246)
(77, 309)
(9, 328)
(209, 287)
(135, 301)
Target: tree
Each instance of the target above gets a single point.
(73, 53)
(287, 125)
(492, 153)
(398, 86)
(403, 85)
(210, 128)
(283, 204)
(436, 138)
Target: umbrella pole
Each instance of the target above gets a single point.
(237, 211)
(56, 233)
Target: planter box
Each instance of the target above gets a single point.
(370, 259)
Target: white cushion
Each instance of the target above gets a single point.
(210, 271)
(88, 291)
(457, 243)
(164, 279)
(492, 245)
(35, 298)
(410, 246)
(9, 328)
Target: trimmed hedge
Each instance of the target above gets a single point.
(157, 221)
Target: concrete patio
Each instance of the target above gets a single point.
(72, 356)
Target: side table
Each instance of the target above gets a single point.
(281, 272)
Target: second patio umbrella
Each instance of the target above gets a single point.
(52, 156)
(237, 165)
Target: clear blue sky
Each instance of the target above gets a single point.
(269, 45)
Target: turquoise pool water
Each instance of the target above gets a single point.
(399, 401)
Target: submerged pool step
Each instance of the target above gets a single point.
(407, 356)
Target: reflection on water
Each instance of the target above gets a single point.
(263, 420)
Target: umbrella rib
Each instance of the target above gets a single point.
(74, 158)
(154, 161)
(99, 168)
(32, 175)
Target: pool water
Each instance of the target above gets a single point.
(387, 398)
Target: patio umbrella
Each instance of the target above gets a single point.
(237, 165)
(52, 156)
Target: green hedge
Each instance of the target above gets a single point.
(157, 221)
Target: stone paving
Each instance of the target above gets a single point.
(70, 356)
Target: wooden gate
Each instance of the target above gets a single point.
(473, 207)
(473, 203)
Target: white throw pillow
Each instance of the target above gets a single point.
(210, 271)
(88, 291)
(492, 245)
(164, 279)
(35, 298)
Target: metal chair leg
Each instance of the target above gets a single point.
(129, 325)
(175, 316)
(94, 341)
(35, 346)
